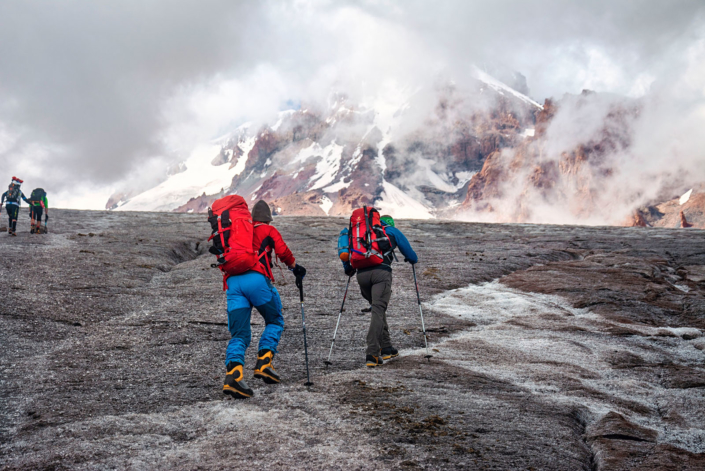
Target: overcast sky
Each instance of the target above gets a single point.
(95, 95)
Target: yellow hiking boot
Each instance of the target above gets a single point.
(264, 369)
(373, 361)
(234, 385)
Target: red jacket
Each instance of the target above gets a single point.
(267, 238)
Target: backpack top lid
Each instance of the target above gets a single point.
(230, 202)
(359, 217)
(38, 193)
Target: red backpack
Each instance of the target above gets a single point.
(369, 244)
(232, 236)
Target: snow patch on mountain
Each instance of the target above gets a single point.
(199, 177)
(326, 204)
(280, 166)
(501, 88)
(246, 146)
(282, 116)
(463, 178)
(686, 196)
(327, 168)
(336, 187)
(401, 205)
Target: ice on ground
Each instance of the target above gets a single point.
(226, 428)
(400, 205)
(686, 196)
(528, 132)
(542, 343)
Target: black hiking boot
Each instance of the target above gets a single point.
(373, 361)
(264, 369)
(366, 309)
(389, 352)
(234, 385)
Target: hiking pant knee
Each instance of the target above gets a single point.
(35, 213)
(245, 291)
(13, 211)
(376, 288)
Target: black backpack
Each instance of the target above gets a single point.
(13, 194)
(37, 195)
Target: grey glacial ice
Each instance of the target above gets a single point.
(555, 347)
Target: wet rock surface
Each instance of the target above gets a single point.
(555, 347)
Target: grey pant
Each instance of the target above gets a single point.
(376, 288)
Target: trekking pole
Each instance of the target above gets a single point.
(423, 327)
(300, 284)
(328, 362)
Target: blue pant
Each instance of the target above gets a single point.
(244, 291)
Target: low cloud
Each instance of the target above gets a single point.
(101, 94)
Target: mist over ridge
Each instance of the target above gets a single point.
(102, 99)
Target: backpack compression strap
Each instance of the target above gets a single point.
(264, 256)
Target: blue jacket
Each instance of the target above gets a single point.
(398, 241)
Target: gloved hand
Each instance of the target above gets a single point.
(349, 270)
(409, 261)
(299, 271)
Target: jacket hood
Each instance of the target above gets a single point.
(261, 212)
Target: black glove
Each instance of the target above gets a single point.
(409, 261)
(299, 271)
(349, 270)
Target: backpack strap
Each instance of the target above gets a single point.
(367, 229)
(350, 244)
(263, 253)
(221, 230)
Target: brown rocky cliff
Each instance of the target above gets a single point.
(637, 220)
(684, 221)
(574, 178)
(672, 214)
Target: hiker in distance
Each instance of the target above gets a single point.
(38, 204)
(245, 246)
(373, 240)
(13, 195)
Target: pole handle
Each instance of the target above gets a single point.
(300, 285)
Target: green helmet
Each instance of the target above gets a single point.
(388, 220)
